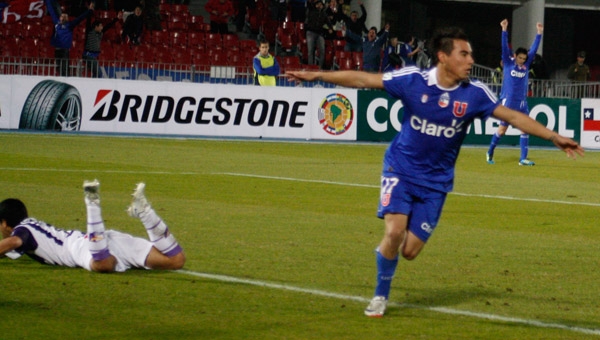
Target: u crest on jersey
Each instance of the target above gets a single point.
(459, 109)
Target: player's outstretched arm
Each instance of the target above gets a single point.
(9, 243)
(532, 127)
(357, 79)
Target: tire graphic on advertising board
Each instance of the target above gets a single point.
(52, 105)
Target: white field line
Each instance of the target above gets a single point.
(375, 186)
(293, 180)
(444, 310)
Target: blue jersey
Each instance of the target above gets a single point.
(516, 78)
(433, 126)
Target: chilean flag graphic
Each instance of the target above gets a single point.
(591, 121)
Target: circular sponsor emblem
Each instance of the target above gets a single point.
(444, 100)
(336, 114)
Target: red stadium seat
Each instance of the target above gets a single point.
(196, 39)
(212, 40)
(178, 39)
(230, 41)
(218, 58)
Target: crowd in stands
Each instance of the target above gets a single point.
(129, 35)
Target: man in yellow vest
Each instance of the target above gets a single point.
(266, 67)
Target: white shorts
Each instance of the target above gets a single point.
(130, 251)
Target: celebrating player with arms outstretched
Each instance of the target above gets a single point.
(418, 167)
(515, 79)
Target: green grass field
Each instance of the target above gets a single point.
(279, 238)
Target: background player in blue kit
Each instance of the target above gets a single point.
(418, 166)
(98, 250)
(515, 80)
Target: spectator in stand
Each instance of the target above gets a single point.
(220, 12)
(133, 27)
(335, 15)
(241, 12)
(62, 38)
(408, 51)
(278, 10)
(298, 10)
(93, 41)
(355, 24)
(579, 71)
(371, 46)
(317, 25)
(391, 57)
(266, 67)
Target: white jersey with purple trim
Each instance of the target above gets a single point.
(46, 243)
(433, 126)
(50, 245)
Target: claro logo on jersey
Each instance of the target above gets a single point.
(111, 105)
(432, 129)
(336, 114)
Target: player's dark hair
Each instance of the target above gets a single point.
(521, 50)
(262, 40)
(13, 211)
(443, 40)
(96, 23)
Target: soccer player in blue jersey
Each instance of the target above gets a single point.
(515, 80)
(97, 250)
(418, 166)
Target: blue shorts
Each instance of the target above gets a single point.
(519, 105)
(422, 205)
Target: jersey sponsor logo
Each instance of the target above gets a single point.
(517, 74)
(432, 129)
(426, 227)
(111, 105)
(460, 109)
(336, 114)
(424, 98)
(444, 100)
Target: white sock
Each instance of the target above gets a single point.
(98, 245)
(159, 234)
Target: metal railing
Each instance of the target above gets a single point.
(244, 75)
(545, 88)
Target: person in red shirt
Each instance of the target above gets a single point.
(220, 13)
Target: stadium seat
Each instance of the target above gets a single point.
(107, 52)
(196, 23)
(196, 39)
(160, 37)
(346, 64)
(218, 58)
(290, 62)
(300, 31)
(177, 38)
(125, 54)
(102, 14)
(230, 41)
(182, 57)
(285, 40)
(213, 40)
(358, 60)
(339, 44)
(180, 8)
(177, 26)
(248, 45)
